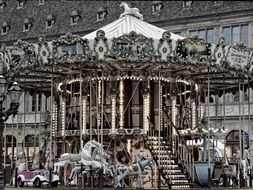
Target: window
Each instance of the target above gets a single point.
(156, 7)
(75, 17)
(102, 12)
(2, 4)
(50, 21)
(187, 3)
(206, 34)
(27, 24)
(217, 2)
(236, 34)
(177, 33)
(21, 3)
(5, 28)
(41, 2)
(36, 102)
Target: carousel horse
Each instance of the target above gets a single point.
(92, 159)
(69, 158)
(138, 170)
(130, 11)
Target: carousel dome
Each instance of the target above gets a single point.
(128, 24)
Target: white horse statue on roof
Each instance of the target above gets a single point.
(130, 11)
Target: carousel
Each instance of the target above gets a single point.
(130, 103)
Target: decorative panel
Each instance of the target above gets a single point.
(70, 49)
(134, 47)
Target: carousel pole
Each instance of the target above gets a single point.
(159, 130)
(51, 124)
(208, 127)
(240, 136)
(243, 131)
(35, 120)
(90, 110)
(250, 131)
(80, 110)
(24, 117)
(102, 111)
(224, 119)
(12, 137)
(5, 149)
(41, 103)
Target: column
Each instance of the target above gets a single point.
(121, 104)
(146, 105)
(84, 132)
(114, 92)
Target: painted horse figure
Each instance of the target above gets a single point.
(86, 154)
(130, 11)
(93, 157)
(138, 169)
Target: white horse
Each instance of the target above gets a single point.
(130, 11)
(85, 156)
(92, 159)
(138, 169)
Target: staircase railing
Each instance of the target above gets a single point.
(180, 148)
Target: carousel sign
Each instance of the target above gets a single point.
(239, 56)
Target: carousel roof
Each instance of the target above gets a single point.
(128, 24)
(128, 48)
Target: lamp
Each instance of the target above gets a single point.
(15, 92)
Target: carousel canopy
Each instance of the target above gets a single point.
(128, 24)
(128, 48)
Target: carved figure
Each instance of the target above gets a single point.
(92, 156)
(138, 169)
(130, 11)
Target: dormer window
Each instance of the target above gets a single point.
(101, 14)
(5, 28)
(217, 2)
(21, 3)
(2, 4)
(156, 6)
(27, 24)
(50, 21)
(187, 3)
(75, 17)
(41, 2)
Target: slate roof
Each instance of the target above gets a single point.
(171, 13)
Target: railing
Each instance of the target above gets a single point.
(135, 132)
(180, 148)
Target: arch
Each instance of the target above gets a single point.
(9, 140)
(29, 141)
(232, 143)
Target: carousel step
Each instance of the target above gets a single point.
(182, 186)
(179, 181)
(176, 176)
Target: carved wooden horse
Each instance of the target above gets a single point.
(138, 170)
